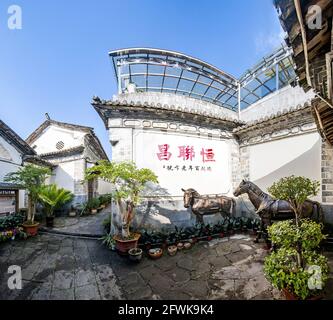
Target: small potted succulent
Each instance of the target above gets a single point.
(92, 205)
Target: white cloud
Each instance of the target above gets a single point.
(267, 42)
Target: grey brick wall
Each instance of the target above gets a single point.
(327, 172)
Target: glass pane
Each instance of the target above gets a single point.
(252, 85)
(170, 83)
(199, 89)
(218, 85)
(185, 85)
(152, 68)
(250, 99)
(173, 71)
(124, 69)
(138, 68)
(271, 84)
(189, 75)
(212, 93)
(154, 81)
(140, 81)
(205, 80)
(262, 92)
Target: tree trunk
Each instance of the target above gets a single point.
(299, 247)
(31, 210)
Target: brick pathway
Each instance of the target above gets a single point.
(56, 267)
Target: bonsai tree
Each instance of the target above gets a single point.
(296, 266)
(128, 182)
(295, 190)
(53, 198)
(31, 178)
(282, 268)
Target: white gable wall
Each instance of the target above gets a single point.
(10, 161)
(47, 141)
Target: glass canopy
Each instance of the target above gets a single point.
(156, 70)
(272, 73)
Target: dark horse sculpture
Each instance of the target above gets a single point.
(270, 209)
(207, 205)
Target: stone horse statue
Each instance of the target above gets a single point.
(207, 205)
(270, 209)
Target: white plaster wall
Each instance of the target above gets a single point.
(218, 180)
(122, 151)
(103, 187)
(10, 158)
(47, 141)
(299, 156)
(286, 98)
(10, 161)
(63, 175)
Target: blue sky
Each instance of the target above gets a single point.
(59, 60)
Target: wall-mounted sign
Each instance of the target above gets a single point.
(4, 192)
(185, 162)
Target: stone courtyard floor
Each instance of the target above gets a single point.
(58, 267)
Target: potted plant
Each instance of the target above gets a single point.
(53, 198)
(135, 254)
(128, 182)
(296, 267)
(72, 212)
(31, 178)
(92, 205)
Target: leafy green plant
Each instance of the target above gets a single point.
(11, 221)
(105, 199)
(31, 178)
(128, 182)
(286, 234)
(282, 270)
(297, 240)
(53, 198)
(108, 241)
(92, 204)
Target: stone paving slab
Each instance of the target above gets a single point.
(59, 267)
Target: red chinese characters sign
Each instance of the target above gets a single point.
(188, 154)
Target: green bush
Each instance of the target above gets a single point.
(105, 199)
(282, 270)
(11, 221)
(92, 204)
(286, 234)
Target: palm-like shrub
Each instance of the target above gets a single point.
(31, 178)
(53, 198)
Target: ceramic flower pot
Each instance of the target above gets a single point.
(124, 245)
(155, 253)
(31, 229)
(172, 250)
(180, 246)
(187, 245)
(135, 254)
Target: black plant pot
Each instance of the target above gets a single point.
(49, 222)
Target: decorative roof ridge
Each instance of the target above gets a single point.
(13, 138)
(124, 102)
(76, 149)
(279, 114)
(36, 133)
